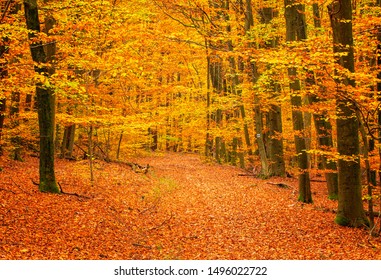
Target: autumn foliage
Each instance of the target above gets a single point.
(190, 129)
(182, 208)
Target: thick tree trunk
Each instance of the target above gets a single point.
(350, 207)
(296, 31)
(45, 98)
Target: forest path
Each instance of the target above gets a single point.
(184, 208)
(217, 214)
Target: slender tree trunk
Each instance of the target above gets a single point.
(378, 55)
(45, 98)
(316, 13)
(258, 115)
(4, 47)
(91, 154)
(296, 31)
(350, 207)
(68, 141)
(3, 100)
(323, 129)
(11, 8)
(2, 118)
(120, 143)
(370, 183)
(208, 137)
(16, 140)
(277, 165)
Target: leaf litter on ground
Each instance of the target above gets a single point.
(183, 208)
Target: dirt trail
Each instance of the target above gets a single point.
(184, 208)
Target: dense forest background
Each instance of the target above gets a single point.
(279, 88)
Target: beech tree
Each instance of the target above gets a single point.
(43, 55)
(350, 208)
(4, 46)
(296, 31)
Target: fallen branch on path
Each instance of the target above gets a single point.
(280, 185)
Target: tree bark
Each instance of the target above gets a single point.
(2, 118)
(296, 31)
(44, 96)
(350, 207)
(4, 47)
(323, 129)
(277, 165)
(68, 141)
(11, 8)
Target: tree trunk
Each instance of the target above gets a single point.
(323, 129)
(277, 165)
(296, 31)
(208, 138)
(120, 143)
(2, 117)
(12, 8)
(4, 47)
(316, 13)
(350, 206)
(68, 141)
(378, 87)
(91, 154)
(45, 98)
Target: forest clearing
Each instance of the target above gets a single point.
(183, 208)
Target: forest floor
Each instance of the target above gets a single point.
(183, 208)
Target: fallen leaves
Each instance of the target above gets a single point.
(181, 209)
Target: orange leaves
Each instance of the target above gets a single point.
(182, 209)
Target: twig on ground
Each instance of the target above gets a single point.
(74, 194)
(163, 223)
(153, 206)
(17, 185)
(141, 245)
(281, 185)
(1, 189)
